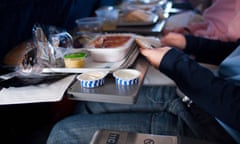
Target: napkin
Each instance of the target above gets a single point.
(36, 93)
(182, 20)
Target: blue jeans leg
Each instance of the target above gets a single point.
(164, 99)
(79, 129)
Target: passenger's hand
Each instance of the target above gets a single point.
(155, 55)
(174, 40)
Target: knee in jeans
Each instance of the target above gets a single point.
(159, 94)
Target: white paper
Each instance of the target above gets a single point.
(35, 93)
(180, 20)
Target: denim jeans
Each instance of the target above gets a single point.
(158, 111)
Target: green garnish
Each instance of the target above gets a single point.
(75, 55)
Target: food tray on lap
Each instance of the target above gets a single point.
(111, 92)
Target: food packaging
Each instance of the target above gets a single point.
(110, 47)
(75, 60)
(126, 77)
(92, 79)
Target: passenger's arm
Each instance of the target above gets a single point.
(202, 49)
(208, 50)
(219, 97)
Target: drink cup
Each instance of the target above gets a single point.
(89, 24)
(110, 17)
(87, 28)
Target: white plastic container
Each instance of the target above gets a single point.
(92, 79)
(103, 53)
(126, 77)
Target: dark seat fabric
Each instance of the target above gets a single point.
(18, 17)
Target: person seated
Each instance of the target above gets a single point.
(218, 21)
(19, 17)
(213, 98)
(17, 20)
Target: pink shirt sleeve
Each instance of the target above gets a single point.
(222, 21)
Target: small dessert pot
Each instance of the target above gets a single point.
(126, 77)
(92, 79)
(75, 60)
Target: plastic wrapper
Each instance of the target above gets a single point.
(52, 43)
(46, 49)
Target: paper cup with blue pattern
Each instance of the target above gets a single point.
(92, 79)
(126, 77)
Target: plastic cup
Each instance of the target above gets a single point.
(89, 24)
(86, 29)
(109, 16)
(75, 60)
